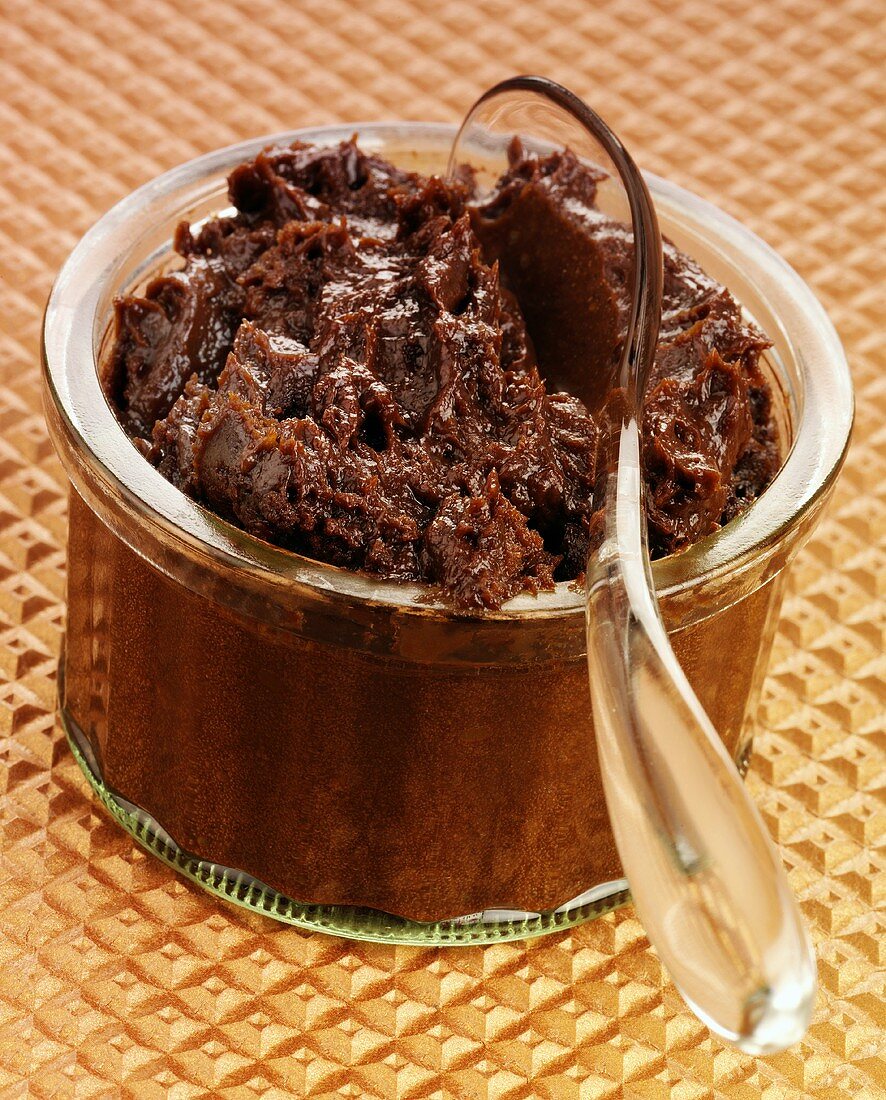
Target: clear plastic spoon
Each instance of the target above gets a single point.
(705, 878)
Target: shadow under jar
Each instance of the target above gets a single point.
(345, 753)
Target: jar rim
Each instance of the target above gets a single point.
(77, 405)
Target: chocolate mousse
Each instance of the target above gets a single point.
(393, 374)
(382, 371)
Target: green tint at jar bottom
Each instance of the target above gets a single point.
(491, 926)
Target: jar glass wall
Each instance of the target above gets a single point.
(346, 752)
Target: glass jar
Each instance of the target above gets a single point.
(347, 753)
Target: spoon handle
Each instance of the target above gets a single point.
(706, 881)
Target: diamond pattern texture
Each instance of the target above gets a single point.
(119, 979)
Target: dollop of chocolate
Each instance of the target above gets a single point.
(372, 368)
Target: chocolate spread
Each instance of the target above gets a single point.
(374, 368)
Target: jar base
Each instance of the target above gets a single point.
(345, 921)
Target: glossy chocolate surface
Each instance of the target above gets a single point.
(372, 368)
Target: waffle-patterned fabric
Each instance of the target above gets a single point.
(119, 979)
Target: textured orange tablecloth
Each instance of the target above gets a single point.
(119, 979)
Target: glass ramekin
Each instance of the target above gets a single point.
(345, 753)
